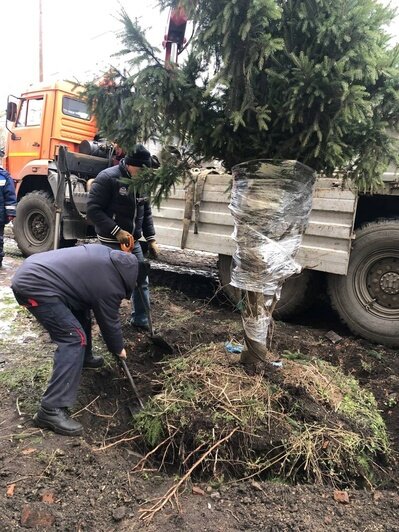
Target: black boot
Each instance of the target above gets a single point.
(93, 362)
(58, 420)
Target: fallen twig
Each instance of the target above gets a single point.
(107, 416)
(20, 435)
(53, 456)
(17, 405)
(19, 479)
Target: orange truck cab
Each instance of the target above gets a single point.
(39, 121)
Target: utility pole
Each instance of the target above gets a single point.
(40, 42)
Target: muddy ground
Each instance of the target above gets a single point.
(90, 483)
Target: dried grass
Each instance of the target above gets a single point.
(307, 422)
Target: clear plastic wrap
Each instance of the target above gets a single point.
(270, 204)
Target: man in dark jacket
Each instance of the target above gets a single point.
(60, 288)
(8, 204)
(119, 214)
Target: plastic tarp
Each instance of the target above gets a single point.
(270, 203)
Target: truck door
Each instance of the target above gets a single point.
(25, 142)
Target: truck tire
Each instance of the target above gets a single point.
(34, 223)
(367, 298)
(296, 295)
(225, 265)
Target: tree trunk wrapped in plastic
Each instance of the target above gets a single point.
(270, 204)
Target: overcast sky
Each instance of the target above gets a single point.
(79, 38)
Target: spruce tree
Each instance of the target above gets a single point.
(311, 80)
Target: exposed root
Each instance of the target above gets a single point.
(172, 494)
(85, 407)
(144, 460)
(118, 442)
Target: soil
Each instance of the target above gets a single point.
(90, 483)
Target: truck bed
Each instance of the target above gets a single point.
(326, 243)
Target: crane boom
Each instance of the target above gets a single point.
(174, 37)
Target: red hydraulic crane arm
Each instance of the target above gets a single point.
(174, 38)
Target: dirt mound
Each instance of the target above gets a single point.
(307, 422)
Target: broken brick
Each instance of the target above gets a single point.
(198, 491)
(48, 497)
(10, 490)
(34, 515)
(341, 496)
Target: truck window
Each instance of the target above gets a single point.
(30, 113)
(75, 108)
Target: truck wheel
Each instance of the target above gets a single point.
(225, 265)
(34, 223)
(296, 295)
(367, 298)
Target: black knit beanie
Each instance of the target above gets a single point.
(139, 157)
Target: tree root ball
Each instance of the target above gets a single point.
(307, 422)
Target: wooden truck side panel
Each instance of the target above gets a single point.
(326, 244)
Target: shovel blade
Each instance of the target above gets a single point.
(162, 344)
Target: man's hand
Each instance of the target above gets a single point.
(123, 237)
(153, 249)
(122, 354)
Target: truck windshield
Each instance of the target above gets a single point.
(75, 108)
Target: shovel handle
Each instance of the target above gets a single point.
(122, 362)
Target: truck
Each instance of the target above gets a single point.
(350, 249)
(39, 121)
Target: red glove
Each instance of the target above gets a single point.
(10, 218)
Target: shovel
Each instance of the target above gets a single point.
(122, 362)
(157, 340)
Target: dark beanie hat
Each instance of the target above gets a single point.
(139, 157)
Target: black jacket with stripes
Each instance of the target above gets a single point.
(111, 207)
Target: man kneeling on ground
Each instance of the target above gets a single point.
(60, 288)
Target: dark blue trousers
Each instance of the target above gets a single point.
(71, 331)
(139, 312)
(1, 241)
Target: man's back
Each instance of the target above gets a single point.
(78, 276)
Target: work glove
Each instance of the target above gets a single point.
(124, 237)
(10, 218)
(153, 249)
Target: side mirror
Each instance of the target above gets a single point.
(11, 111)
